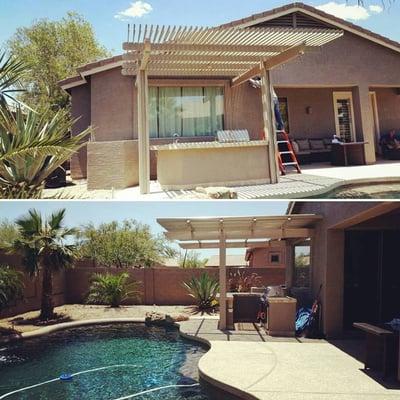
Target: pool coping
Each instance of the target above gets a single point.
(342, 183)
(75, 324)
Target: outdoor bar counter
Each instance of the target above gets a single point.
(189, 165)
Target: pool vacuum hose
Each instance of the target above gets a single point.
(69, 377)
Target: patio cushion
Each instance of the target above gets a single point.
(327, 142)
(304, 144)
(317, 144)
(295, 146)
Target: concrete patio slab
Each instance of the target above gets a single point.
(315, 180)
(253, 365)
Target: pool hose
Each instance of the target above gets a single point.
(71, 375)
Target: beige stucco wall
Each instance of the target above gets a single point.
(112, 164)
(327, 256)
(112, 106)
(261, 257)
(80, 109)
(350, 62)
(192, 167)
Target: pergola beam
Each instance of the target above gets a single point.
(145, 55)
(143, 131)
(232, 245)
(222, 282)
(270, 63)
(208, 48)
(133, 57)
(285, 233)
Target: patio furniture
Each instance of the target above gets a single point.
(312, 150)
(344, 154)
(281, 316)
(245, 307)
(381, 351)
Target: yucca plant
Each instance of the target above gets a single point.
(11, 286)
(112, 290)
(204, 290)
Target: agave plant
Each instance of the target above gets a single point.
(11, 71)
(11, 286)
(32, 146)
(204, 289)
(112, 289)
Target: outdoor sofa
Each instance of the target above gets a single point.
(312, 150)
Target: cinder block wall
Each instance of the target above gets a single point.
(157, 285)
(32, 289)
(112, 164)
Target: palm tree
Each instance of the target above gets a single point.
(43, 245)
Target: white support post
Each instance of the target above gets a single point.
(269, 122)
(143, 131)
(222, 282)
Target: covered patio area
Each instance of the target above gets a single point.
(237, 232)
(232, 56)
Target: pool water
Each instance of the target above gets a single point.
(143, 358)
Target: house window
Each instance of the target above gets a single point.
(344, 116)
(186, 111)
(275, 258)
(283, 108)
(302, 266)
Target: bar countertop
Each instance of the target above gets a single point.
(207, 145)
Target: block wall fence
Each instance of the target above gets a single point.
(158, 285)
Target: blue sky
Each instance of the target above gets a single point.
(110, 18)
(81, 212)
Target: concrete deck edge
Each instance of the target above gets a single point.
(209, 379)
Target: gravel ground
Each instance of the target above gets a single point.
(79, 312)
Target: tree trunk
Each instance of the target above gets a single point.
(47, 306)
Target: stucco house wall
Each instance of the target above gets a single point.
(327, 256)
(350, 63)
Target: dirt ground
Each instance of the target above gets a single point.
(79, 312)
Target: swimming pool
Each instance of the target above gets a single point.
(364, 191)
(113, 361)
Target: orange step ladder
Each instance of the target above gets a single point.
(286, 154)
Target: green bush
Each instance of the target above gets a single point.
(126, 244)
(11, 286)
(204, 290)
(191, 259)
(112, 289)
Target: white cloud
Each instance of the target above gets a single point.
(375, 8)
(350, 12)
(137, 9)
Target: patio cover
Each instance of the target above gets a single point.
(230, 232)
(235, 53)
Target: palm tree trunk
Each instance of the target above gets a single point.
(47, 306)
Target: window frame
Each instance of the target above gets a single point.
(344, 96)
(192, 83)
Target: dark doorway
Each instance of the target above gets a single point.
(371, 277)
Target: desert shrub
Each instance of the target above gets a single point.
(204, 290)
(112, 289)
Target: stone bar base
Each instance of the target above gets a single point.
(112, 165)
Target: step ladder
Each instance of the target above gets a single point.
(286, 155)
